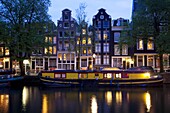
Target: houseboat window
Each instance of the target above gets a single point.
(118, 75)
(63, 75)
(108, 75)
(57, 75)
(96, 74)
(82, 75)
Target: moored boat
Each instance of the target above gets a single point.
(8, 78)
(105, 77)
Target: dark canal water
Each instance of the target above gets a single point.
(105, 100)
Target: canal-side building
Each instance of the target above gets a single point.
(145, 53)
(120, 58)
(66, 41)
(103, 40)
(84, 48)
(5, 62)
(45, 58)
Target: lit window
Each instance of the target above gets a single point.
(83, 31)
(89, 40)
(105, 35)
(116, 50)
(89, 51)
(50, 50)
(54, 40)
(140, 44)
(118, 75)
(84, 41)
(50, 39)
(78, 41)
(108, 75)
(1, 51)
(46, 39)
(84, 51)
(64, 56)
(6, 51)
(54, 49)
(46, 51)
(150, 45)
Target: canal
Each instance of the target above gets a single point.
(75, 100)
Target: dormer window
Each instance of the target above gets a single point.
(66, 17)
(66, 25)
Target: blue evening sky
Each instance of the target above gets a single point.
(115, 8)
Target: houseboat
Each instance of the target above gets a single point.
(8, 78)
(99, 78)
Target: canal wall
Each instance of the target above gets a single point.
(166, 77)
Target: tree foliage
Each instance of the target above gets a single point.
(152, 18)
(23, 22)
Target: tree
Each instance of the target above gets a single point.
(81, 22)
(152, 18)
(24, 22)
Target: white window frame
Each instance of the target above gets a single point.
(97, 47)
(106, 47)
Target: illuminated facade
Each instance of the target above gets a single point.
(66, 38)
(84, 48)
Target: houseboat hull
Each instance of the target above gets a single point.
(98, 79)
(11, 81)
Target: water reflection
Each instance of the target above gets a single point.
(4, 103)
(24, 97)
(111, 100)
(147, 98)
(108, 96)
(119, 97)
(94, 106)
(44, 104)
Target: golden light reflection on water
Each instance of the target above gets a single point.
(4, 102)
(94, 106)
(44, 104)
(147, 98)
(119, 97)
(108, 96)
(24, 96)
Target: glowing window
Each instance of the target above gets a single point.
(89, 40)
(84, 41)
(140, 44)
(118, 75)
(150, 44)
